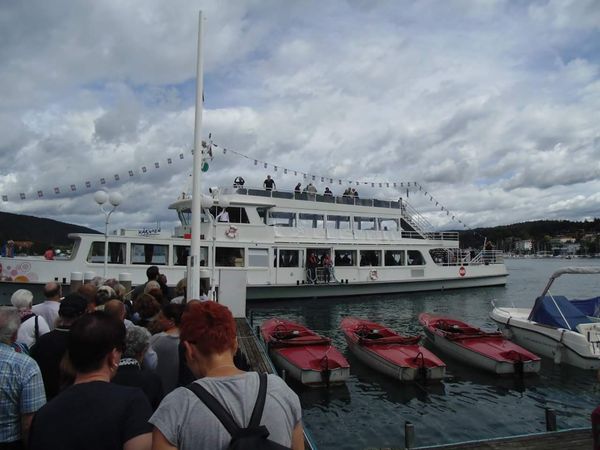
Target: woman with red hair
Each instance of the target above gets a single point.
(184, 422)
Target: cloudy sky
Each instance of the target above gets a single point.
(492, 106)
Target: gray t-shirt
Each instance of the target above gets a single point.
(189, 425)
(166, 347)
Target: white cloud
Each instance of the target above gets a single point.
(492, 105)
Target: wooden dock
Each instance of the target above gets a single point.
(259, 360)
(251, 348)
(576, 439)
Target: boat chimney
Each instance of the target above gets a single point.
(88, 277)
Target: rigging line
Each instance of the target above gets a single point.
(395, 184)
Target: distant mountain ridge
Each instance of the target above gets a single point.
(42, 232)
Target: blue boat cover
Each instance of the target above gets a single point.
(545, 311)
(589, 307)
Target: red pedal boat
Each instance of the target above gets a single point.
(306, 356)
(486, 350)
(398, 356)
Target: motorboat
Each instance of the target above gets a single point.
(306, 356)
(388, 352)
(567, 331)
(489, 351)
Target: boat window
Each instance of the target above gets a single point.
(262, 213)
(116, 252)
(149, 254)
(290, 258)
(230, 214)
(370, 257)
(365, 223)
(442, 256)
(281, 219)
(345, 258)
(182, 252)
(395, 258)
(258, 257)
(310, 220)
(229, 257)
(415, 258)
(388, 225)
(338, 222)
(185, 216)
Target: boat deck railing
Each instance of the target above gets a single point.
(320, 198)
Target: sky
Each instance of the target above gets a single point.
(491, 106)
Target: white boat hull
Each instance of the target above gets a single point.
(309, 377)
(477, 359)
(561, 345)
(390, 369)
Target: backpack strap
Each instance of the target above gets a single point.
(259, 406)
(37, 328)
(215, 407)
(224, 417)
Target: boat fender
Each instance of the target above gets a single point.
(231, 232)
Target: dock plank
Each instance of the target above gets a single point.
(557, 440)
(252, 348)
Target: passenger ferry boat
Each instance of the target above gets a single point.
(375, 246)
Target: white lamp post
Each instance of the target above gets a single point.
(115, 200)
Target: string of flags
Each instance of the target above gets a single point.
(207, 150)
(408, 185)
(93, 182)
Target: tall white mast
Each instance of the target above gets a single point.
(193, 263)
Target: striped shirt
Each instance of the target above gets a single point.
(21, 391)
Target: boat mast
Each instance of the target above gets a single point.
(193, 262)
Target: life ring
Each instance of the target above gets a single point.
(231, 232)
(373, 275)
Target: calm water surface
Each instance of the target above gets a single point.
(370, 410)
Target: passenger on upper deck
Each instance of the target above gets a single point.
(312, 190)
(269, 183)
(238, 182)
(347, 193)
(328, 192)
(355, 193)
(298, 188)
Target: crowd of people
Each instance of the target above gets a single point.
(101, 368)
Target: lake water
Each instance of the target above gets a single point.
(370, 410)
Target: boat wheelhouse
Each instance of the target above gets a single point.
(375, 246)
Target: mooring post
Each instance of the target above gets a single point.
(550, 419)
(409, 435)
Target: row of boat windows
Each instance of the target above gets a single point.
(156, 254)
(300, 220)
(331, 221)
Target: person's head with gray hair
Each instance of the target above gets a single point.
(137, 341)
(120, 291)
(104, 294)
(22, 299)
(151, 285)
(10, 320)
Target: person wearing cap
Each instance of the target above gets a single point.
(51, 347)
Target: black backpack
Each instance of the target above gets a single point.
(254, 436)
